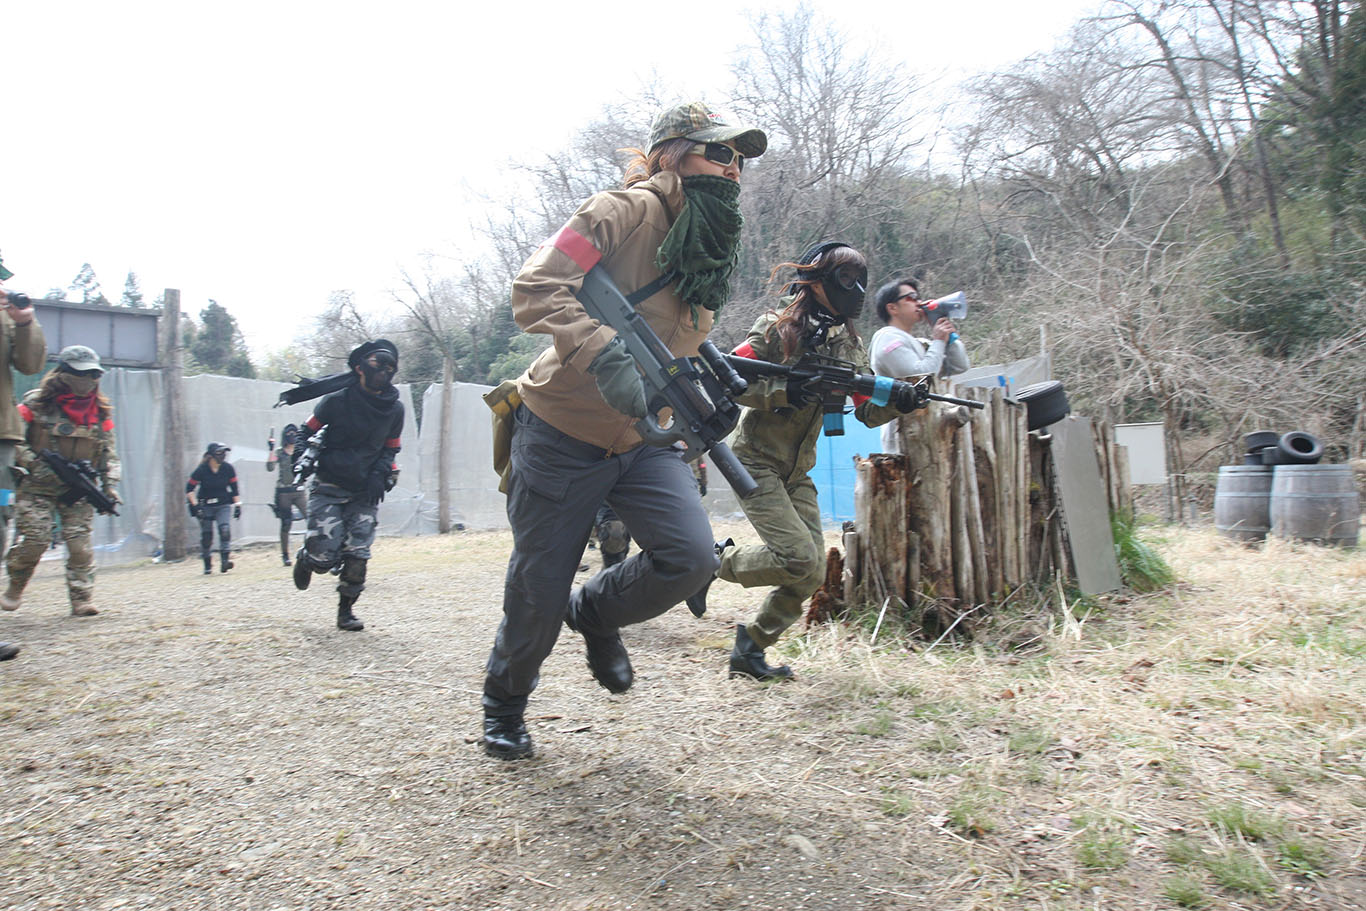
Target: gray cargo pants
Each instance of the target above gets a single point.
(555, 486)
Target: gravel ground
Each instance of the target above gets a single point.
(215, 742)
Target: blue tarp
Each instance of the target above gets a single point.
(834, 471)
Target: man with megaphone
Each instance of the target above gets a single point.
(896, 351)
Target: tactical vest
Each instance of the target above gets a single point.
(54, 430)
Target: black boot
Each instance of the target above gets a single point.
(607, 657)
(747, 659)
(225, 563)
(303, 570)
(208, 563)
(8, 650)
(697, 602)
(284, 555)
(345, 619)
(506, 737)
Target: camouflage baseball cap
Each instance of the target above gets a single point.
(698, 122)
(79, 357)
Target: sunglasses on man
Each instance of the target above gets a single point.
(719, 153)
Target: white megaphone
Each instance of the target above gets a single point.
(952, 307)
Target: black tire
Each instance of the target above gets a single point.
(1299, 448)
(1258, 440)
(1045, 402)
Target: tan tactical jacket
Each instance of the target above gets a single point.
(24, 348)
(51, 429)
(626, 227)
(784, 440)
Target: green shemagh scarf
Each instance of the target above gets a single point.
(703, 245)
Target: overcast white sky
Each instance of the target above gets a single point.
(264, 154)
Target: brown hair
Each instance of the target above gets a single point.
(52, 385)
(791, 324)
(666, 156)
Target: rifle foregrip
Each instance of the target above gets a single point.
(735, 474)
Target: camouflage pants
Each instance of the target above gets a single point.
(341, 528)
(35, 517)
(788, 519)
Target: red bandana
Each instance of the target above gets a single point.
(82, 409)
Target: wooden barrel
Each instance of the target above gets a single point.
(1242, 502)
(1315, 503)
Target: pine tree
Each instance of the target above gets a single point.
(218, 345)
(86, 287)
(132, 294)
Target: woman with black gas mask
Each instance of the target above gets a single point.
(777, 443)
(288, 495)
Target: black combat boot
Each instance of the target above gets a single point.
(345, 619)
(697, 603)
(208, 563)
(747, 659)
(506, 737)
(8, 650)
(607, 657)
(284, 555)
(225, 564)
(303, 570)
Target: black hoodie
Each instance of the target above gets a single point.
(363, 433)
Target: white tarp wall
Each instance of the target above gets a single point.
(475, 500)
(230, 410)
(239, 413)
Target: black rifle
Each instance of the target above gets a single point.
(699, 391)
(835, 380)
(308, 462)
(80, 477)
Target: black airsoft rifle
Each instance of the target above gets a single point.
(307, 463)
(835, 380)
(81, 478)
(699, 391)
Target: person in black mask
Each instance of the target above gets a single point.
(288, 495)
(360, 424)
(777, 444)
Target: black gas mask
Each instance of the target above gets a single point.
(845, 285)
(379, 369)
(845, 288)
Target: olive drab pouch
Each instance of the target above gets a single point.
(502, 401)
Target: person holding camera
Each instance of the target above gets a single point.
(896, 351)
(213, 496)
(361, 425)
(69, 416)
(23, 347)
(288, 495)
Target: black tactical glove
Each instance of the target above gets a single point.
(376, 485)
(237, 511)
(194, 509)
(618, 380)
(800, 394)
(909, 398)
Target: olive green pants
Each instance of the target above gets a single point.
(788, 519)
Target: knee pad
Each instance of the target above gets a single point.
(613, 538)
(353, 570)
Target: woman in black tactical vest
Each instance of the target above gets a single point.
(213, 496)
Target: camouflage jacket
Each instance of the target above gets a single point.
(49, 428)
(780, 438)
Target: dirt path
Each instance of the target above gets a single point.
(214, 742)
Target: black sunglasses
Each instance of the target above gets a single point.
(719, 153)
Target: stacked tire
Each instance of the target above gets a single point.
(1282, 489)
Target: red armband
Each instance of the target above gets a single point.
(746, 350)
(107, 425)
(26, 413)
(577, 247)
